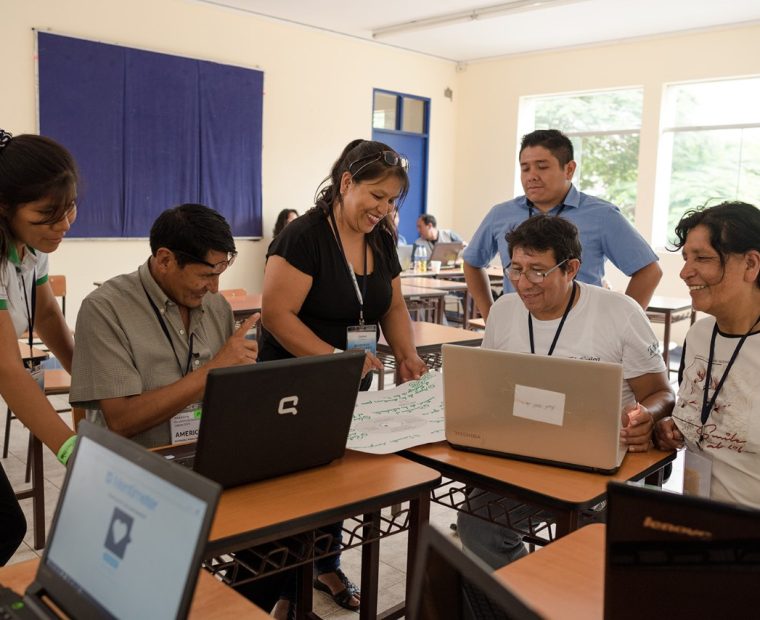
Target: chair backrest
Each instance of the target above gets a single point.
(58, 284)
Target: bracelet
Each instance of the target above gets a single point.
(64, 452)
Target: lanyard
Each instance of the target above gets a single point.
(169, 338)
(360, 295)
(559, 329)
(30, 312)
(557, 214)
(709, 403)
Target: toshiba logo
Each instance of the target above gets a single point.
(288, 406)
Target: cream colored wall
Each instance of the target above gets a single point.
(318, 96)
(490, 91)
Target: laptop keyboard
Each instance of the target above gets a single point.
(186, 461)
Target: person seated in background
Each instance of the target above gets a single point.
(400, 239)
(147, 340)
(284, 217)
(546, 172)
(717, 413)
(552, 314)
(430, 234)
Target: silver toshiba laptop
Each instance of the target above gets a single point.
(551, 410)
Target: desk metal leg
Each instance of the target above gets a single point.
(370, 567)
(304, 594)
(419, 515)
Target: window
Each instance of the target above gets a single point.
(709, 148)
(399, 112)
(604, 129)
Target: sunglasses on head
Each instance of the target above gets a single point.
(391, 158)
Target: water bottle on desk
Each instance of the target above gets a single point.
(420, 259)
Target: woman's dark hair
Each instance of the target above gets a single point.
(32, 168)
(547, 232)
(282, 221)
(734, 228)
(364, 160)
(193, 230)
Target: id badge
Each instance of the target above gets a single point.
(185, 425)
(362, 337)
(697, 474)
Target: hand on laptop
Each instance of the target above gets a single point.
(411, 368)
(667, 435)
(238, 350)
(638, 423)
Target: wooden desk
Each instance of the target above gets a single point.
(357, 484)
(212, 599)
(564, 580)
(244, 306)
(418, 294)
(565, 493)
(450, 286)
(669, 310)
(428, 339)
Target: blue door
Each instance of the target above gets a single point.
(401, 122)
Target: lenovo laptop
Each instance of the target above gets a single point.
(273, 418)
(550, 410)
(691, 557)
(447, 253)
(453, 584)
(127, 537)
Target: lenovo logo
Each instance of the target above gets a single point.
(288, 406)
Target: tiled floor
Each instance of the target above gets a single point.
(392, 549)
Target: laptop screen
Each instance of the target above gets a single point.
(125, 539)
(693, 557)
(451, 584)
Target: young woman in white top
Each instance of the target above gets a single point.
(38, 184)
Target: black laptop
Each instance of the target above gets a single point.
(273, 418)
(674, 556)
(127, 538)
(451, 584)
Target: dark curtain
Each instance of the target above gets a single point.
(151, 131)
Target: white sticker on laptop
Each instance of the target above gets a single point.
(185, 425)
(539, 405)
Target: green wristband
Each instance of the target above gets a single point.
(64, 452)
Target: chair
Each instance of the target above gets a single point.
(58, 284)
(57, 381)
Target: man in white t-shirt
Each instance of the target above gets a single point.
(552, 314)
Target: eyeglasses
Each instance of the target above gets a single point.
(531, 275)
(391, 158)
(216, 268)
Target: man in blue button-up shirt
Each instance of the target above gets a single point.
(547, 168)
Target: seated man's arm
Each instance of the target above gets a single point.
(129, 415)
(643, 283)
(655, 400)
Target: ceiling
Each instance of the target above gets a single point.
(502, 28)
